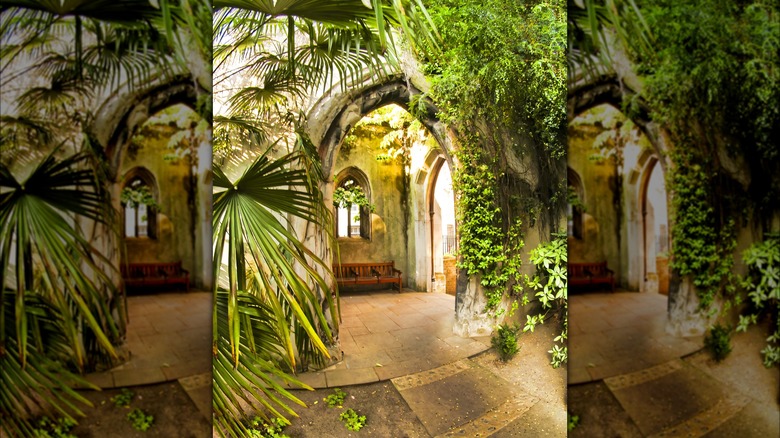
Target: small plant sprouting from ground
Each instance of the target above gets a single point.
(505, 341)
(718, 341)
(336, 399)
(352, 420)
(261, 429)
(123, 399)
(140, 420)
(574, 421)
(46, 428)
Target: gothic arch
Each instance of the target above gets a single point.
(361, 179)
(337, 112)
(123, 113)
(344, 110)
(140, 177)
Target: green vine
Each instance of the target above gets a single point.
(702, 242)
(487, 247)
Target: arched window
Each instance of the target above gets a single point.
(352, 200)
(139, 204)
(576, 204)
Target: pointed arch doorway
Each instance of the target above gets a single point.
(442, 241)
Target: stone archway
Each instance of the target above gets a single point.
(330, 120)
(683, 315)
(427, 225)
(120, 117)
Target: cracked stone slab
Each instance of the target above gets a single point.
(430, 376)
(707, 420)
(643, 376)
(670, 397)
(459, 394)
(494, 419)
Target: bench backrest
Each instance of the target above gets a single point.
(346, 270)
(585, 269)
(130, 270)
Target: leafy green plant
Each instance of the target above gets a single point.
(505, 341)
(268, 319)
(718, 341)
(123, 399)
(475, 80)
(551, 286)
(573, 421)
(762, 284)
(263, 429)
(140, 420)
(352, 420)
(335, 399)
(59, 428)
(56, 294)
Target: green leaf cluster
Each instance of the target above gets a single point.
(123, 399)
(133, 197)
(273, 429)
(485, 248)
(59, 428)
(551, 285)
(335, 399)
(572, 421)
(352, 420)
(703, 240)
(500, 78)
(350, 193)
(140, 420)
(711, 77)
(718, 341)
(505, 341)
(762, 284)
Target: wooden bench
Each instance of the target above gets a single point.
(585, 274)
(155, 274)
(349, 274)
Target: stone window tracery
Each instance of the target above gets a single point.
(353, 209)
(139, 205)
(575, 204)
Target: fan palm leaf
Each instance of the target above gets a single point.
(591, 26)
(47, 262)
(43, 381)
(263, 260)
(43, 251)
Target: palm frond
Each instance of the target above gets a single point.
(24, 131)
(44, 252)
(43, 382)
(266, 261)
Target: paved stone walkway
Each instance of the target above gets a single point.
(385, 335)
(169, 338)
(652, 393)
(482, 396)
(618, 333)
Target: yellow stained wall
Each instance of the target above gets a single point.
(388, 240)
(174, 240)
(600, 227)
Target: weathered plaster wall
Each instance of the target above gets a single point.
(600, 221)
(391, 217)
(177, 230)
